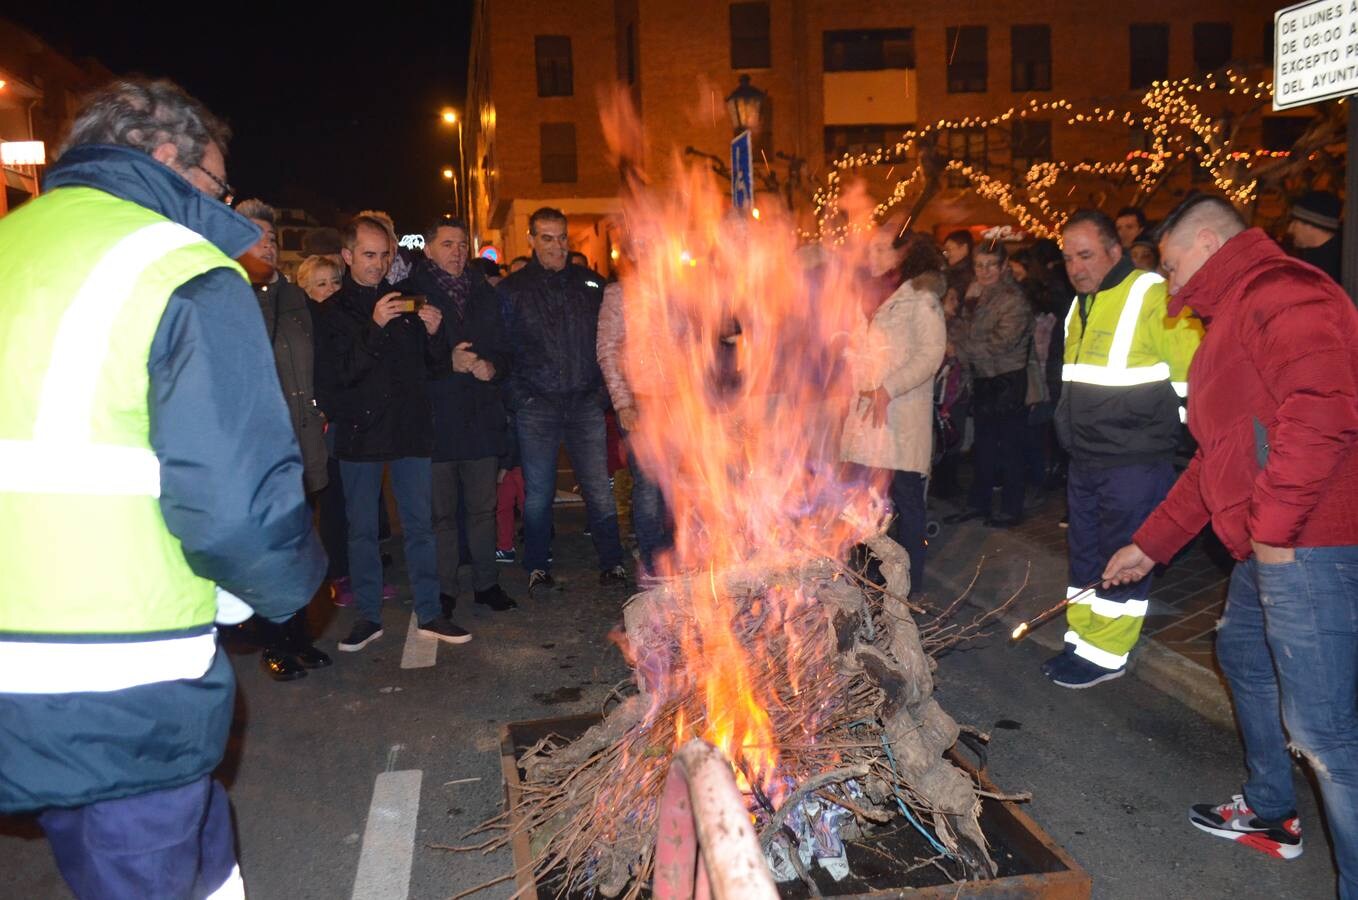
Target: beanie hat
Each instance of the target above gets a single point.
(1318, 208)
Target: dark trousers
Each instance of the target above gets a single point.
(1106, 506)
(331, 524)
(908, 498)
(171, 843)
(998, 457)
(473, 481)
(542, 425)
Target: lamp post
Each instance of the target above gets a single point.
(450, 117)
(746, 107)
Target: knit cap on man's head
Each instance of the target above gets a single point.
(1318, 208)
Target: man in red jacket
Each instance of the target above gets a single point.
(1274, 408)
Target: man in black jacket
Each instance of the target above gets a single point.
(469, 416)
(375, 354)
(551, 312)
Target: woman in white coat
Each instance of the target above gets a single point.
(894, 353)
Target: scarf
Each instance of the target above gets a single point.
(457, 287)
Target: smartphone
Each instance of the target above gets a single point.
(410, 303)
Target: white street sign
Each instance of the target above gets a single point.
(1315, 52)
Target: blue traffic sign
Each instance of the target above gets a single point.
(742, 172)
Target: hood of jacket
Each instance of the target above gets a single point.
(134, 176)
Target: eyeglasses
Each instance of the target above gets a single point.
(224, 191)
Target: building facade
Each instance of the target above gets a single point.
(838, 78)
(39, 91)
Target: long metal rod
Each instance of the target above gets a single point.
(1023, 629)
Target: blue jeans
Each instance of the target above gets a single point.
(542, 425)
(411, 483)
(908, 491)
(176, 842)
(1288, 645)
(650, 517)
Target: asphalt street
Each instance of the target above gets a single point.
(345, 783)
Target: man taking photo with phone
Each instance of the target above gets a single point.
(376, 351)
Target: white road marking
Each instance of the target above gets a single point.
(421, 649)
(389, 838)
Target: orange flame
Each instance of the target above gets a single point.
(735, 339)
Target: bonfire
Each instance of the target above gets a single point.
(755, 635)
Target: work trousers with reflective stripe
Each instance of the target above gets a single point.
(1107, 505)
(175, 843)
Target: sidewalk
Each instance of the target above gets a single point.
(1175, 653)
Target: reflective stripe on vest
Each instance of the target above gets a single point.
(43, 667)
(38, 467)
(1116, 373)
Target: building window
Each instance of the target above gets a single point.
(967, 68)
(869, 50)
(555, 78)
(558, 152)
(969, 147)
(1150, 53)
(842, 139)
(1282, 132)
(1031, 51)
(1211, 45)
(1139, 140)
(1030, 143)
(750, 45)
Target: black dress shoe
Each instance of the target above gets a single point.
(496, 598)
(311, 658)
(448, 602)
(1003, 521)
(281, 666)
(967, 516)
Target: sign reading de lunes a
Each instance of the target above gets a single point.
(1315, 52)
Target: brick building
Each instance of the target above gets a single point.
(839, 78)
(39, 91)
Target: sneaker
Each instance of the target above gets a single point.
(341, 594)
(495, 598)
(361, 635)
(1065, 522)
(1235, 821)
(505, 556)
(614, 577)
(444, 630)
(1077, 673)
(539, 582)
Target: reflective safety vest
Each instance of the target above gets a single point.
(1125, 373)
(95, 592)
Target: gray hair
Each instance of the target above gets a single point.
(255, 208)
(143, 114)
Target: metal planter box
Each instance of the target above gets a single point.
(1053, 874)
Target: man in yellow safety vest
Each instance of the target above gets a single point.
(149, 479)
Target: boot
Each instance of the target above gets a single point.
(277, 657)
(299, 643)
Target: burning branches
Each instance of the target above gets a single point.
(847, 691)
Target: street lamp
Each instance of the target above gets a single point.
(450, 117)
(448, 173)
(746, 106)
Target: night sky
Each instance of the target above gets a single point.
(331, 111)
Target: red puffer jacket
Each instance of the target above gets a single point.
(1273, 404)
